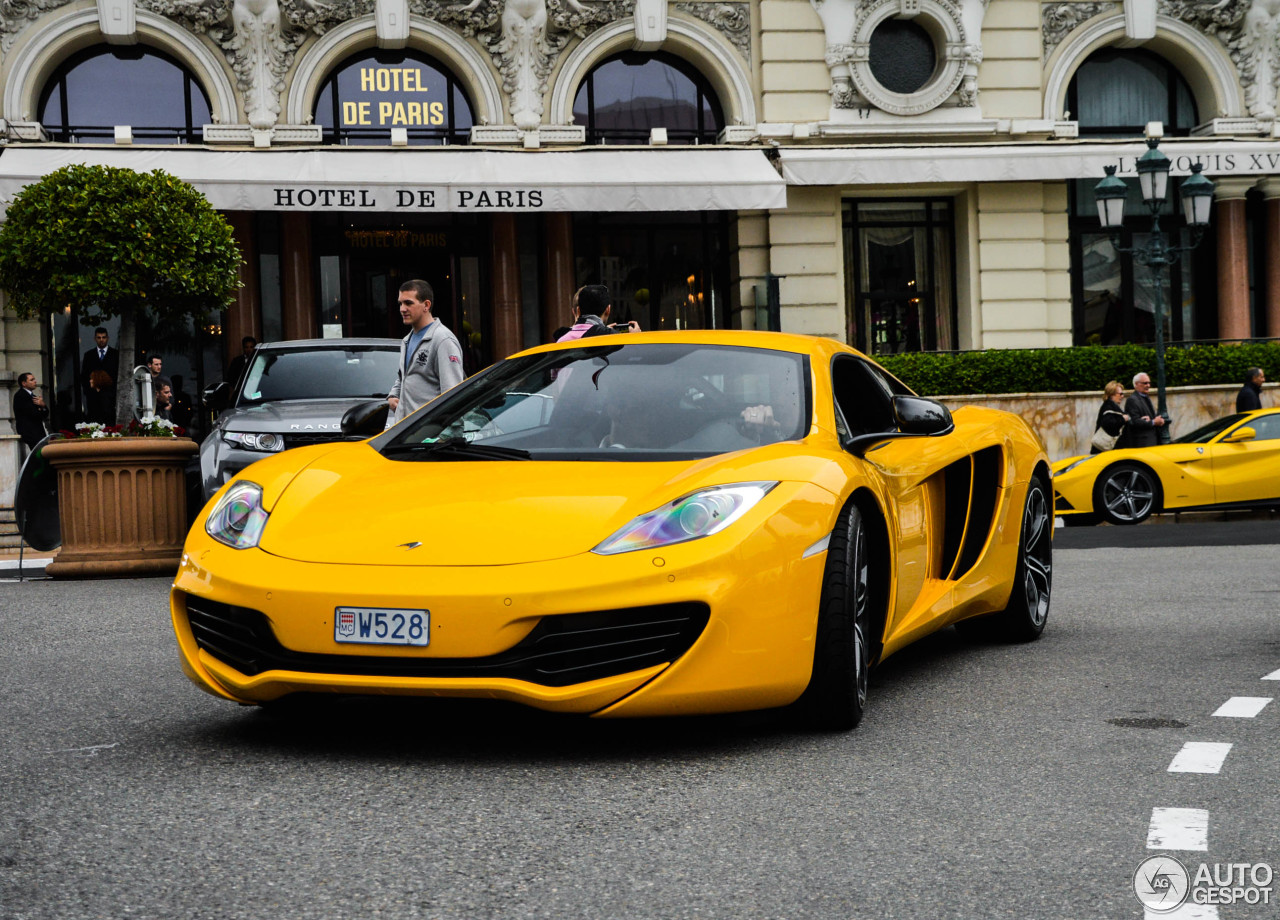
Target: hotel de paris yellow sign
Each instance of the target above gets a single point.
(386, 111)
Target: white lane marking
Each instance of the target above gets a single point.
(1200, 757)
(1243, 707)
(1184, 912)
(90, 751)
(1178, 829)
(1274, 675)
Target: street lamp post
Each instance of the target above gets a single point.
(1197, 197)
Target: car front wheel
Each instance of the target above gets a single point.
(1126, 494)
(837, 692)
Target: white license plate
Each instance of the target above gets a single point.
(381, 626)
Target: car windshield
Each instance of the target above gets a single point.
(319, 373)
(1207, 433)
(618, 402)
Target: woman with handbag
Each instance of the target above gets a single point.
(1111, 420)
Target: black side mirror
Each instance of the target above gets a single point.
(915, 416)
(919, 416)
(215, 398)
(365, 419)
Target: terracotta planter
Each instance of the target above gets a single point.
(121, 504)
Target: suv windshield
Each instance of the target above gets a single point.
(619, 402)
(318, 373)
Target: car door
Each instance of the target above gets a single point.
(1248, 471)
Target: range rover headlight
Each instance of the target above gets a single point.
(697, 515)
(267, 442)
(238, 518)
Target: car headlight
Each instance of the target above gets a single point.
(238, 517)
(700, 514)
(1070, 466)
(266, 442)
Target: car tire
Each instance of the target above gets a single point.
(1028, 609)
(1127, 493)
(837, 693)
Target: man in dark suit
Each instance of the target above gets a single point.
(240, 363)
(98, 376)
(1144, 425)
(29, 411)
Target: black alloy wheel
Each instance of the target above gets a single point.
(1126, 494)
(837, 693)
(1028, 610)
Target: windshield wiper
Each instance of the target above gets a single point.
(459, 445)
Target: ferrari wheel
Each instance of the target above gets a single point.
(1126, 494)
(1024, 618)
(837, 691)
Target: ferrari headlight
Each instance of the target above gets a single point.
(701, 514)
(266, 441)
(238, 517)
(1070, 466)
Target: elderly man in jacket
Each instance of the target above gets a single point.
(1144, 422)
(430, 356)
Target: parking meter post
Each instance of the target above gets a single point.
(774, 298)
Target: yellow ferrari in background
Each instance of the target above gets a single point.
(1232, 462)
(628, 525)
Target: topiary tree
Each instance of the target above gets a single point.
(114, 243)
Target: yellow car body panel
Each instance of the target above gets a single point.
(1191, 475)
(516, 549)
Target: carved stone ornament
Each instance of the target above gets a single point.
(849, 24)
(1250, 31)
(732, 20)
(15, 14)
(1057, 20)
(524, 38)
(260, 38)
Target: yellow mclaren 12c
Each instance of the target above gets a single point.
(628, 525)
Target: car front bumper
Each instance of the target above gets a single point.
(757, 591)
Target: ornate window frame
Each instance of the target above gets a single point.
(942, 21)
(718, 62)
(468, 66)
(35, 61)
(1207, 70)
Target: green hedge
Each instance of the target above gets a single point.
(1088, 367)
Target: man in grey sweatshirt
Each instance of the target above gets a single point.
(430, 356)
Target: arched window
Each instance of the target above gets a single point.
(98, 88)
(369, 94)
(1116, 92)
(630, 93)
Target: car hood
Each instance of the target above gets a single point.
(315, 415)
(354, 506)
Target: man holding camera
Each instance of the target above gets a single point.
(592, 305)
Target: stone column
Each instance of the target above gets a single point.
(1233, 258)
(505, 272)
(558, 283)
(1271, 241)
(244, 317)
(299, 307)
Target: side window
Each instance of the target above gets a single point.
(1267, 427)
(864, 400)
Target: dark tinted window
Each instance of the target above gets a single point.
(902, 55)
(324, 373)
(1208, 432)
(630, 93)
(373, 92)
(99, 88)
(1117, 91)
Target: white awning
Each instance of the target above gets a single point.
(1027, 162)
(435, 179)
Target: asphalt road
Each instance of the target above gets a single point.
(985, 782)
